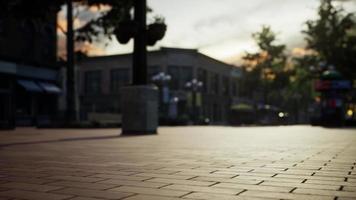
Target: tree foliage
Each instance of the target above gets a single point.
(265, 70)
(105, 24)
(330, 35)
(109, 14)
(34, 9)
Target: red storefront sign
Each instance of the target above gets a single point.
(321, 85)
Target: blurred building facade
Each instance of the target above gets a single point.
(28, 69)
(100, 80)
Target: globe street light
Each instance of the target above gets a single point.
(173, 108)
(161, 77)
(194, 85)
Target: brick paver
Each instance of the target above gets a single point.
(298, 162)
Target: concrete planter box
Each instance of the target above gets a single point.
(139, 110)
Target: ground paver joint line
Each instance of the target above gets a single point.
(213, 184)
(147, 179)
(69, 198)
(341, 188)
(292, 190)
(260, 182)
(234, 176)
(114, 186)
(165, 185)
(244, 190)
(129, 196)
(191, 178)
(186, 194)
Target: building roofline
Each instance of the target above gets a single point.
(217, 61)
(161, 50)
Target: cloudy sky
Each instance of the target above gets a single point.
(222, 28)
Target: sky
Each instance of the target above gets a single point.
(222, 28)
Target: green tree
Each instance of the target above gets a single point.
(108, 19)
(332, 36)
(300, 92)
(265, 70)
(102, 25)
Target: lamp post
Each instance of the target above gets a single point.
(194, 85)
(162, 79)
(139, 68)
(71, 101)
(139, 101)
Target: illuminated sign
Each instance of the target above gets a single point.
(332, 85)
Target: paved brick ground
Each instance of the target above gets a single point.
(297, 162)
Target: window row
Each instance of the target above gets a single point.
(213, 83)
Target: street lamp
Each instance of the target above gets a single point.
(194, 85)
(140, 100)
(162, 79)
(173, 108)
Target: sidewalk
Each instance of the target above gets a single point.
(297, 162)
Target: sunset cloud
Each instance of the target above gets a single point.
(82, 16)
(222, 29)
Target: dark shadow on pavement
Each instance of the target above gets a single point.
(75, 139)
(60, 140)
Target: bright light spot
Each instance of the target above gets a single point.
(207, 120)
(281, 115)
(350, 113)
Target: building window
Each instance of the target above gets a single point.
(203, 77)
(234, 88)
(186, 75)
(174, 72)
(118, 79)
(92, 82)
(225, 84)
(180, 76)
(2, 29)
(214, 84)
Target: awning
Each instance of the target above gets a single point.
(29, 86)
(50, 88)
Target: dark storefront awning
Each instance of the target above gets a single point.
(29, 86)
(50, 88)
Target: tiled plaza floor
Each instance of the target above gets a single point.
(298, 162)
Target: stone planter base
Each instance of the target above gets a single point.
(139, 110)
